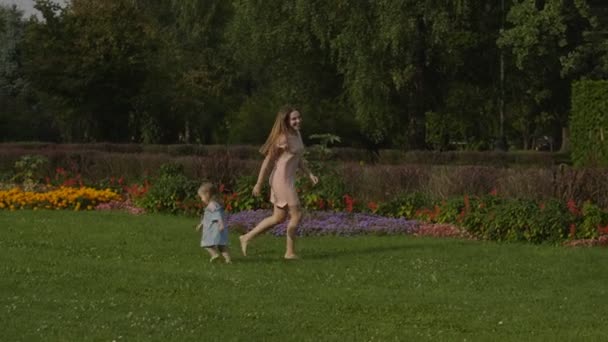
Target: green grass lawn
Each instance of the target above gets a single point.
(110, 276)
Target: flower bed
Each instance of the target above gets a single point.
(332, 208)
(81, 198)
(328, 223)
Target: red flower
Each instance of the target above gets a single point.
(221, 188)
(435, 212)
(69, 182)
(572, 207)
(320, 204)
(121, 180)
(461, 215)
(494, 192)
(349, 202)
(542, 206)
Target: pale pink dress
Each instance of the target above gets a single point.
(283, 176)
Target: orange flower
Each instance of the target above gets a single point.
(572, 230)
(373, 206)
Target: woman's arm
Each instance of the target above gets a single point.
(263, 171)
(303, 165)
(269, 161)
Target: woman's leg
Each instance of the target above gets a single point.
(295, 215)
(277, 217)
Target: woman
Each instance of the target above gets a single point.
(284, 155)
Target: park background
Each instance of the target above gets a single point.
(432, 125)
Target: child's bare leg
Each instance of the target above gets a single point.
(295, 215)
(225, 254)
(213, 252)
(277, 217)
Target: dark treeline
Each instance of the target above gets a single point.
(405, 74)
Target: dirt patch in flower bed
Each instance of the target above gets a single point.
(442, 230)
(127, 206)
(601, 241)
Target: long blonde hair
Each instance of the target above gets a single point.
(281, 126)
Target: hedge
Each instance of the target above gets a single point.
(589, 123)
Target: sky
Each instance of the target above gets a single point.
(26, 5)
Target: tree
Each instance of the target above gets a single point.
(89, 61)
(282, 60)
(542, 35)
(20, 117)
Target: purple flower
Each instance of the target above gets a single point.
(329, 223)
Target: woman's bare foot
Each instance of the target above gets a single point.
(243, 241)
(291, 257)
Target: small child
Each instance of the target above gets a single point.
(215, 233)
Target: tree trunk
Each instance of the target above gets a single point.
(565, 140)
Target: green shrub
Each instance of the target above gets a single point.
(592, 218)
(328, 193)
(550, 223)
(518, 220)
(241, 197)
(30, 169)
(169, 190)
(589, 123)
(404, 205)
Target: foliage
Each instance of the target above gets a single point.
(405, 205)
(526, 220)
(541, 36)
(593, 219)
(381, 74)
(322, 150)
(12, 26)
(29, 170)
(589, 123)
(241, 198)
(168, 190)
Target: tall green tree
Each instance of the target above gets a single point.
(20, 117)
(542, 35)
(280, 61)
(89, 59)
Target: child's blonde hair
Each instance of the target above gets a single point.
(208, 188)
(281, 126)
